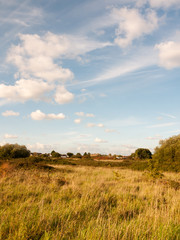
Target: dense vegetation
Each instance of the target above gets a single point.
(167, 156)
(169, 150)
(142, 153)
(14, 151)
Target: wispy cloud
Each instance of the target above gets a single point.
(107, 130)
(80, 114)
(89, 125)
(10, 113)
(133, 64)
(157, 137)
(168, 115)
(90, 115)
(162, 125)
(174, 131)
(129, 121)
(100, 125)
(99, 140)
(10, 136)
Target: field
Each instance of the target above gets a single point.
(86, 202)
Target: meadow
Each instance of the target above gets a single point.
(87, 202)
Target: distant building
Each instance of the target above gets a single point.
(35, 154)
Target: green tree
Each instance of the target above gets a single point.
(168, 150)
(55, 154)
(143, 153)
(87, 155)
(69, 154)
(14, 151)
(78, 155)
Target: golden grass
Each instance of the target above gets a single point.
(88, 203)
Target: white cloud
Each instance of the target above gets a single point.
(162, 125)
(158, 3)
(62, 95)
(35, 57)
(77, 121)
(174, 131)
(109, 130)
(38, 115)
(100, 125)
(19, 15)
(91, 125)
(10, 113)
(36, 60)
(83, 90)
(80, 114)
(37, 146)
(40, 147)
(168, 115)
(127, 149)
(24, 90)
(129, 121)
(157, 137)
(164, 3)
(98, 140)
(92, 148)
(169, 54)
(55, 116)
(102, 95)
(129, 146)
(90, 115)
(10, 136)
(133, 25)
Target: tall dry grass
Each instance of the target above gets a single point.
(88, 203)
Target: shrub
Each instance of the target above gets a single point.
(143, 153)
(167, 155)
(14, 151)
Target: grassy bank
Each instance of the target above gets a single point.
(81, 202)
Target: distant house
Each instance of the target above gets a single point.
(63, 156)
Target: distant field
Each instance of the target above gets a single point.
(81, 202)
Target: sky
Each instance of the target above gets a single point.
(99, 76)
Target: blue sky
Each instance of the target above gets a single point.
(100, 76)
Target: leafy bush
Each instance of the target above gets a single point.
(14, 151)
(167, 155)
(69, 154)
(143, 153)
(55, 154)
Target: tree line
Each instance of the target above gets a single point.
(166, 155)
